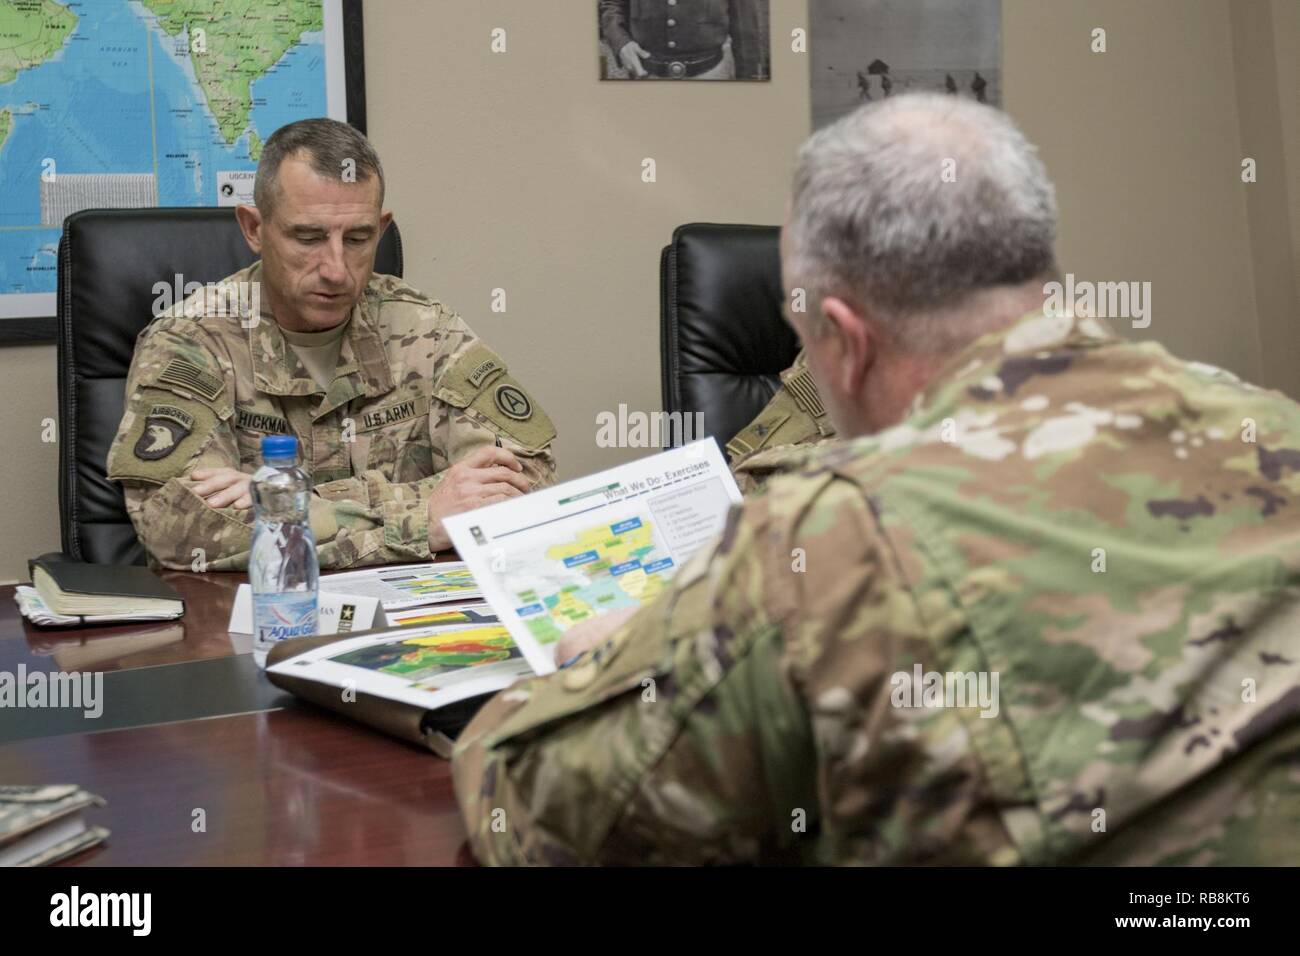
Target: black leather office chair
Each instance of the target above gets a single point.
(109, 262)
(723, 340)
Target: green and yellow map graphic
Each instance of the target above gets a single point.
(603, 568)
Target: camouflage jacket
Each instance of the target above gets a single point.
(414, 391)
(1102, 537)
(778, 438)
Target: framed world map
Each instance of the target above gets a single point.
(131, 103)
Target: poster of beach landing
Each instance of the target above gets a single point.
(868, 50)
(114, 103)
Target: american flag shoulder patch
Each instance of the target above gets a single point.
(185, 374)
(804, 389)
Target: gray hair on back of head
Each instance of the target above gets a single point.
(331, 147)
(875, 220)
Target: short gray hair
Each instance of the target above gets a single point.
(329, 146)
(874, 220)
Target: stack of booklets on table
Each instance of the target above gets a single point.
(43, 825)
(421, 681)
(546, 562)
(67, 592)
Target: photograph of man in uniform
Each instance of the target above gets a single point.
(684, 39)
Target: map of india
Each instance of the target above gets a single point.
(603, 568)
(113, 103)
(242, 40)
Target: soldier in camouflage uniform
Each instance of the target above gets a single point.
(408, 417)
(780, 436)
(1042, 609)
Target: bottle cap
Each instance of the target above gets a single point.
(279, 446)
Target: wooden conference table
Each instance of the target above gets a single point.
(190, 723)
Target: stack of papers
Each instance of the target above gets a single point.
(406, 585)
(546, 561)
(396, 596)
(558, 556)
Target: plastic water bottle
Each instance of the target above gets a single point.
(282, 567)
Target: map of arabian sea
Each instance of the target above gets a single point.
(139, 102)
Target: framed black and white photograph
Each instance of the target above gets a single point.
(867, 50)
(118, 104)
(684, 39)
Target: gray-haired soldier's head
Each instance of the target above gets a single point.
(332, 148)
(928, 216)
(912, 204)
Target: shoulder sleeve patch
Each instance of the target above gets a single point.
(794, 416)
(756, 434)
(512, 411)
(485, 371)
(160, 434)
(804, 390)
(469, 375)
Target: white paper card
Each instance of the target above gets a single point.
(407, 585)
(235, 187)
(337, 613)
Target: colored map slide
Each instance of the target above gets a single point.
(602, 568)
(420, 658)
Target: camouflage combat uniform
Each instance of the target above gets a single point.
(414, 391)
(780, 437)
(1113, 533)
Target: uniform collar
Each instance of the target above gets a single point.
(1035, 336)
(363, 361)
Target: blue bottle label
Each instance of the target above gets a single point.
(278, 617)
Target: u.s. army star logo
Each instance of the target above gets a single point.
(165, 427)
(514, 403)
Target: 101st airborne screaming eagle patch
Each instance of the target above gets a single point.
(166, 426)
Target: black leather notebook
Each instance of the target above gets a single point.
(103, 590)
